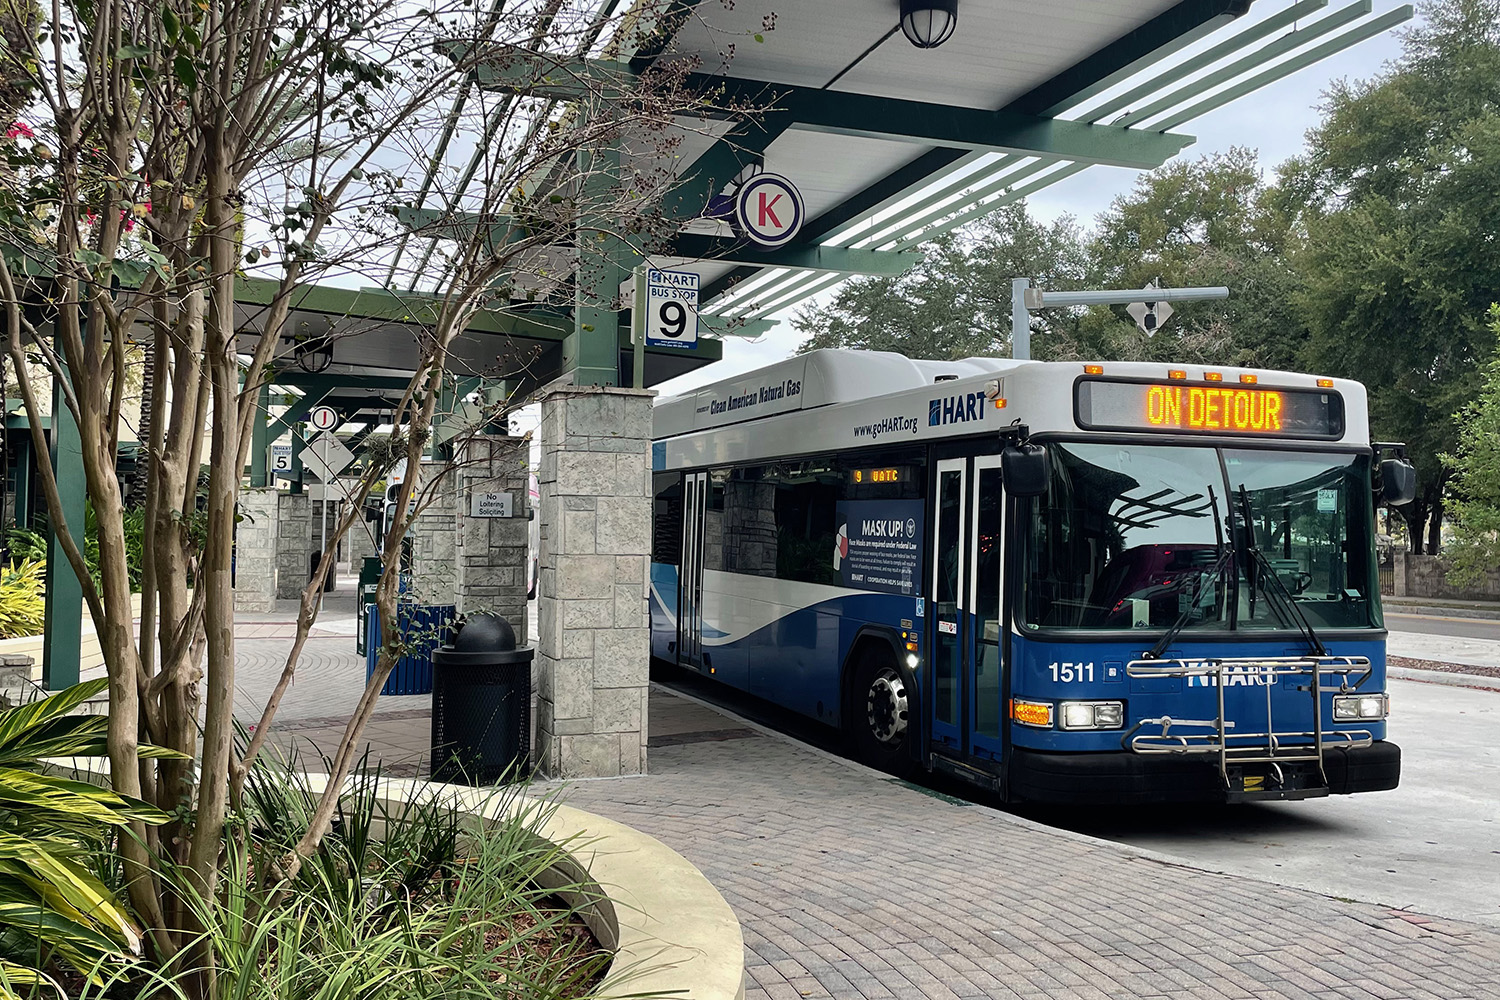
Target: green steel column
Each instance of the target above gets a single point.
(296, 461)
(21, 496)
(260, 442)
(61, 638)
(592, 351)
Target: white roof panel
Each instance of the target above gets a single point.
(1000, 50)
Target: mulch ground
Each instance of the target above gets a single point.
(1448, 668)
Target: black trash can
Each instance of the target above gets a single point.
(369, 581)
(481, 705)
(313, 558)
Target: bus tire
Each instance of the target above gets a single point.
(878, 718)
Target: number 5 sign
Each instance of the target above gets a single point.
(671, 308)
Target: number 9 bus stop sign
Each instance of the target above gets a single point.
(768, 210)
(671, 308)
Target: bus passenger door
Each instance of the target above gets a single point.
(965, 605)
(690, 580)
(950, 577)
(986, 549)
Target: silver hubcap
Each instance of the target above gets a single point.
(885, 707)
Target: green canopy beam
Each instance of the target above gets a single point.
(521, 71)
(699, 247)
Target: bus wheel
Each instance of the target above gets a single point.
(878, 716)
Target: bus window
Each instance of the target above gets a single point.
(749, 524)
(806, 508)
(1127, 535)
(1305, 512)
(666, 520)
(1124, 537)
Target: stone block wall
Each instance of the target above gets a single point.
(1427, 576)
(593, 644)
(493, 565)
(255, 555)
(434, 545)
(294, 543)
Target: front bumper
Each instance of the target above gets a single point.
(1129, 779)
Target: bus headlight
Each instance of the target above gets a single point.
(1091, 714)
(1358, 707)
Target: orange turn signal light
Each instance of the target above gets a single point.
(1031, 713)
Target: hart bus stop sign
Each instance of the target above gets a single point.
(671, 308)
(768, 210)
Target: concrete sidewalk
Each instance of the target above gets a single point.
(1444, 648)
(1441, 606)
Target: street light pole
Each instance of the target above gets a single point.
(1024, 298)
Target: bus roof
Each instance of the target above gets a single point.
(838, 400)
(818, 378)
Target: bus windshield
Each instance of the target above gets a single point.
(1130, 537)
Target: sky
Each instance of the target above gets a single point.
(1273, 121)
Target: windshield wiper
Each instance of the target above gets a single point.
(1289, 603)
(1214, 575)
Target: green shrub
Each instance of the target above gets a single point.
(400, 903)
(31, 543)
(55, 911)
(22, 607)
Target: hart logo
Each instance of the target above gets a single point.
(964, 407)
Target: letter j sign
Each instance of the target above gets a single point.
(768, 210)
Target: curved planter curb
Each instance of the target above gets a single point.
(670, 929)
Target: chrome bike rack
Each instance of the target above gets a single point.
(1236, 748)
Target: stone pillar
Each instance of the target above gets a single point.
(294, 543)
(255, 551)
(1401, 573)
(433, 541)
(494, 564)
(593, 644)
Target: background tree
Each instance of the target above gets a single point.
(956, 302)
(1396, 196)
(1202, 222)
(1475, 487)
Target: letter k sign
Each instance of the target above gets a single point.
(768, 210)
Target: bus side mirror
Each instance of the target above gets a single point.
(1398, 482)
(1025, 470)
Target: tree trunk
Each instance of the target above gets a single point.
(1435, 525)
(143, 433)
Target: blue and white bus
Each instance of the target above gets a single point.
(1071, 583)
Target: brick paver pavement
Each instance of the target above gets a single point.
(851, 884)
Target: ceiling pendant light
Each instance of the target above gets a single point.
(928, 23)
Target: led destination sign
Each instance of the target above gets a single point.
(1208, 409)
(894, 475)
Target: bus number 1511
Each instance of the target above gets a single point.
(1068, 673)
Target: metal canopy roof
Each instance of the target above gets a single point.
(891, 145)
(1001, 50)
(943, 188)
